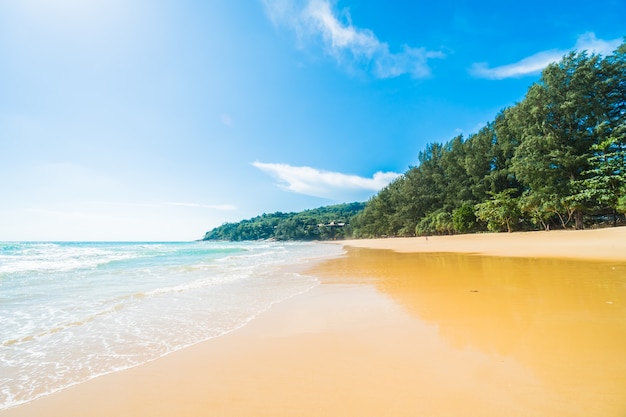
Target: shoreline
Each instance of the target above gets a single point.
(607, 244)
(372, 339)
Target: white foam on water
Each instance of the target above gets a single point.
(72, 312)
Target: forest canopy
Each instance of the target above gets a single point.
(557, 159)
(324, 223)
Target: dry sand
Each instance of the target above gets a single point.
(392, 334)
(605, 244)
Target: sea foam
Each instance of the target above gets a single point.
(73, 311)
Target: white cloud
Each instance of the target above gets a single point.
(348, 44)
(537, 62)
(589, 42)
(530, 65)
(325, 184)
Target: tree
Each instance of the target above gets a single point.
(457, 186)
(506, 140)
(603, 184)
(554, 156)
(621, 204)
(304, 225)
(464, 218)
(606, 180)
(435, 223)
(556, 123)
(536, 208)
(478, 163)
(502, 210)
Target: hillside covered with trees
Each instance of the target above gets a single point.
(557, 159)
(324, 223)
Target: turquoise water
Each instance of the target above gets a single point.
(73, 311)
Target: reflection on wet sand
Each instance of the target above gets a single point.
(563, 320)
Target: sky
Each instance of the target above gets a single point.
(157, 120)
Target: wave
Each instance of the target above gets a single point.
(140, 302)
(53, 258)
(65, 326)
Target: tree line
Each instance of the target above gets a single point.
(324, 223)
(556, 159)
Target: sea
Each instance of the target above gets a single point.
(70, 312)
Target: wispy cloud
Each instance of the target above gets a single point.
(349, 45)
(325, 184)
(535, 63)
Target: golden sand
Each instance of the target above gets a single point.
(406, 334)
(608, 244)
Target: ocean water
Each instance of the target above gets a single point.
(70, 312)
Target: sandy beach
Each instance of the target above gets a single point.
(598, 244)
(423, 328)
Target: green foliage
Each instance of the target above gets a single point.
(464, 219)
(558, 123)
(501, 211)
(605, 181)
(536, 209)
(324, 223)
(544, 162)
(436, 223)
(621, 204)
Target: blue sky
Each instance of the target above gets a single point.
(158, 120)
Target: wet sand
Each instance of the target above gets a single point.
(405, 334)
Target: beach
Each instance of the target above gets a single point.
(521, 324)
(596, 244)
